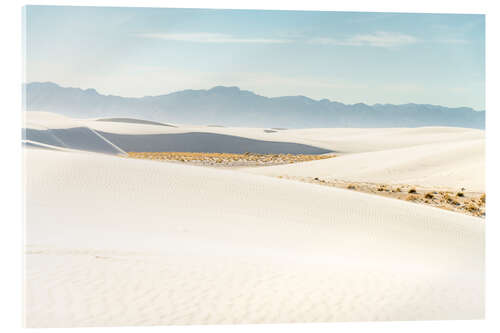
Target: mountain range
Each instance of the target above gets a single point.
(232, 106)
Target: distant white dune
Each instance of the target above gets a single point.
(117, 241)
(133, 121)
(342, 140)
(437, 157)
(448, 165)
(357, 140)
(44, 120)
(74, 138)
(125, 135)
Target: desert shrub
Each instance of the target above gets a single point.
(471, 207)
(460, 194)
(351, 187)
(429, 195)
(412, 190)
(451, 200)
(411, 198)
(483, 198)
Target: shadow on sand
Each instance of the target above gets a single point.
(199, 142)
(82, 138)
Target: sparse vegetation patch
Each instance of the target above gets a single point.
(471, 203)
(228, 160)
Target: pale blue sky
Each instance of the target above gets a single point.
(346, 57)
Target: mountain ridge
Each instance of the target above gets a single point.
(233, 106)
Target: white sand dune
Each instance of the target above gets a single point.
(133, 121)
(447, 165)
(43, 120)
(357, 140)
(75, 138)
(127, 135)
(57, 131)
(342, 140)
(206, 143)
(118, 241)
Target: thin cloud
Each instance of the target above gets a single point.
(377, 39)
(453, 41)
(210, 38)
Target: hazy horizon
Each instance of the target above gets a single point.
(231, 106)
(374, 58)
(244, 90)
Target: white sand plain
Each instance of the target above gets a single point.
(116, 241)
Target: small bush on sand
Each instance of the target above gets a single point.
(483, 198)
(412, 190)
(429, 195)
(411, 198)
(460, 194)
(398, 189)
(470, 207)
(351, 187)
(451, 200)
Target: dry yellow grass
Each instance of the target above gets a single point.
(226, 159)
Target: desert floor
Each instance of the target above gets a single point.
(112, 239)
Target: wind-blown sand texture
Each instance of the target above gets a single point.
(120, 241)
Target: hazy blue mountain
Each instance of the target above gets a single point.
(234, 107)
